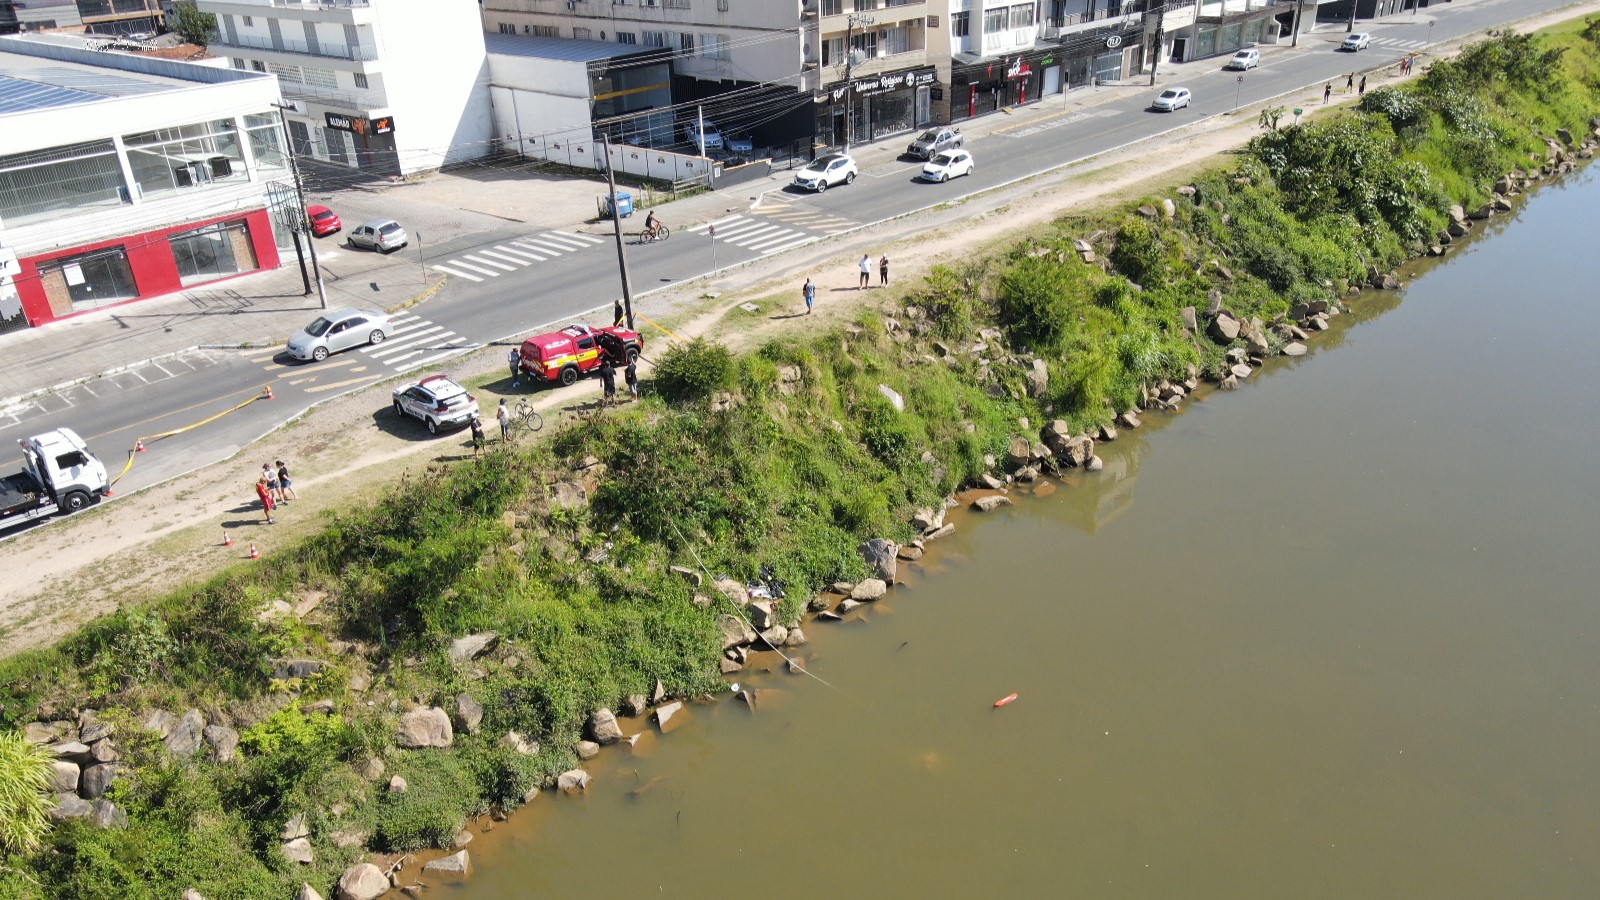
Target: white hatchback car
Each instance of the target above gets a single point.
(947, 165)
(1171, 99)
(1245, 60)
(826, 171)
(1361, 40)
(382, 235)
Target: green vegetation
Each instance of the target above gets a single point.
(24, 775)
(787, 457)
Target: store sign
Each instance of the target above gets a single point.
(883, 84)
(1113, 41)
(1019, 69)
(360, 125)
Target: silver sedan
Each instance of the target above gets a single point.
(338, 330)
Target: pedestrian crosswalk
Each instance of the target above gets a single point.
(494, 260)
(413, 342)
(1399, 44)
(773, 231)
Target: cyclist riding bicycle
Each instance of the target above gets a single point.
(651, 224)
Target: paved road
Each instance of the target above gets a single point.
(505, 282)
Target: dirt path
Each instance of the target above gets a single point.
(138, 547)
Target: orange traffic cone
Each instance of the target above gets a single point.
(269, 392)
(227, 539)
(138, 445)
(107, 492)
(254, 553)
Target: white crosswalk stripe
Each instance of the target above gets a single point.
(1396, 42)
(413, 341)
(506, 257)
(483, 261)
(515, 254)
(454, 273)
(456, 263)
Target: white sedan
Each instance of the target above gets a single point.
(947, 165)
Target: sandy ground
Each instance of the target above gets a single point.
(141, 546)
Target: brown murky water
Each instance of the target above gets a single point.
(1335, 635)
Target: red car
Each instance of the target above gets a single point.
(563, 356)
(323, 221)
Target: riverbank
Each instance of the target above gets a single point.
(789, 457)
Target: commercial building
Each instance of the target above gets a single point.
(124, 177)
(38, 15)
(390, 87)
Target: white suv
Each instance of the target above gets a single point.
(826, 171)
(437, 401)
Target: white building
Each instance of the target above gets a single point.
(387, 86)
(124, 177)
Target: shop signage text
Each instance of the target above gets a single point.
(882, 84)
(360, 124)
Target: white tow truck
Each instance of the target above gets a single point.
(59, 475)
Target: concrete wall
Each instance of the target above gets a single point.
(436, 78)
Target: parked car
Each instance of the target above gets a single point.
(1171, 99)
(382, 235)
(947, 165)
(323, 221)
(713, 135)
(1361, 40)
(437, 401)
(826, 171)
(338, 330)
(739, 143)
(564, 356)
(934, 140)
(1245, 60)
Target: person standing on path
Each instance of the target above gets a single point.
(285, 486)
(503, 415)
(608, 377)
(478, 439)
(1350, 82)
(866, 272)
(631, 376)
(883, 271)
(617, 314)
(1327, 91)
(271, 475)
(1362, 91)
(266, 498)
(514, 360)
(809, 291)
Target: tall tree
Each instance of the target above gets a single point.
(191, 24)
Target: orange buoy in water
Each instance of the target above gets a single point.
(1004, 700)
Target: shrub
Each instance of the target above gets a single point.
(25, 771)
(429, 812)
(1403, 108)
(694, 371)
(1036, 300)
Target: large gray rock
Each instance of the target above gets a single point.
(105, 814)
(285, 669)
(761, 614)
(586, 750)
(307, 892)
(223, 741)
(944, 530)
(104, 750)
(296, 827)
(184, 740)
(422, 728)
(96, 730)
(734, 591)
(469, 713)
(603, 727)
(456, 863)
(39, 733)
(192, 894)
(687, 574)
(1077, 451)
(893, 396)
(924, 520)
(734, 631)
(879, 553)
(1038, 376)
(63, 777)
(362, 881)
(298, 851)
(572, 781)
(635, 705)
(665, 713)
(869, 589)
(568, 495)
(1294, 348)
(465, 649)
(1224, 329)
(990, 503)
(71, 806)
(70, 750)
(96, 780)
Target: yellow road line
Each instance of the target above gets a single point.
(339, 384)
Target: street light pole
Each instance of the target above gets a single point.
(1351, 25)
(849, 63)
(1161, 40)
(616, 227)
(1299, 10)
(301, 222)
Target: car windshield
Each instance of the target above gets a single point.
(943, 159)
(929, 136)
(1242, 54)
(1168, 95)
(822, 164)
(319, 327)
(322, 214)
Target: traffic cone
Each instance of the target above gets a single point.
(254, 553)
(227, 539)
(269, 392)
(138, 445)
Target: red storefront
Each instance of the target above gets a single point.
(64, 283)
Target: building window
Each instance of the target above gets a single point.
(247, 21)
(507, 28)
(581, 34)
(627, 37)
(677, 4)
(266, 141)
(867, 43)
(833, 51)
(1022, 15)
(994, 20)
(46, 183)
(619, 3)
(865, 5)
(238, 63)
(714, 46)
(258, 65)
(896, 40)
(655, 39)
(832, 7)
(686, 42)
(90, 279)
(960, 24)
(546, 31)
(212, 252)
(361, 80)
(174, 159)
(722, 5)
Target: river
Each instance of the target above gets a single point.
(1335, 634)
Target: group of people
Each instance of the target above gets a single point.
(274, 487)
(866, 271)
(608, 377)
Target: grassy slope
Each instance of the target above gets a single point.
(791, 478)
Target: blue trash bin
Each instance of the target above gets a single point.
(624, 204)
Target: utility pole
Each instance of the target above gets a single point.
(849, 63)
(1351, 25)
(301, 223)
(1299, 9)
(1161, 39)
(616, 227)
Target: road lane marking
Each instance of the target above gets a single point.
(520, 257)
(532, 244)
(583, 238)
(705, 225)
(562, 239)
(339, 384)
(489, 262)
(438, 268)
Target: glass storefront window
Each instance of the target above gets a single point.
(206, 254)
(93, 279)
(891, 113)
(47, 183)
(175, 159)
(266, 143)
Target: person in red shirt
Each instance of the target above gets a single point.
(265, 494)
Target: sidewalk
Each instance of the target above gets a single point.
(264, 308)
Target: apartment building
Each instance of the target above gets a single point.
(125, 177)
(38, 15)
(389, 87)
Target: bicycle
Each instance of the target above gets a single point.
(524, 416)
(661, 233)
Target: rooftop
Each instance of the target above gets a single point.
(37, 75)
(569, 49)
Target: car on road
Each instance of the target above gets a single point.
(1171, 99)
(338, 330)
(826, 171)
(382, 235)
(437, 401)
(564, 356)
(1244, 60)
(324, 221)
(1361, 40)
(933, 140)
(947, 165)
(713, 134)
